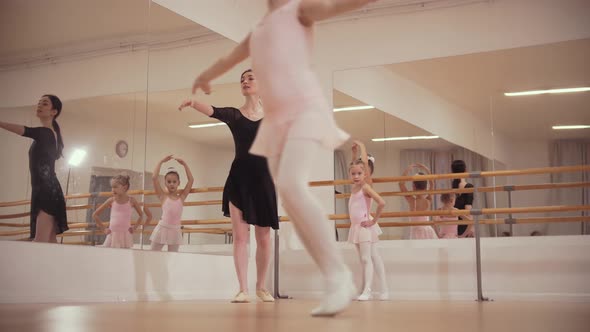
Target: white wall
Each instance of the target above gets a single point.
(547, 268)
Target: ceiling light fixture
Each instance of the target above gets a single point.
(406, 138)
(540, 92)
(571, 127)
(354, 108)
(206, 125)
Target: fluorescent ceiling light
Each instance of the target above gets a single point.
(354, 108)
(571, 127)
(540, 92)
(77, 157)
(206, 125)
(407, 138)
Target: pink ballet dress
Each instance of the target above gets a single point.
(448, 231)
(422, 232)
(119, 226)
(294, 105)
(359, 208)
(168, 229)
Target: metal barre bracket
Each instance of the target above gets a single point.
(509, 188)
(510, 221)
(476, 212)
(475, 175)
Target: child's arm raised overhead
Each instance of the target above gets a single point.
(431, 184)
(365, 159)
(156, 177)
(191, 180)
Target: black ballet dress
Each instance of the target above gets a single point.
(249, 185)
(46, 193)
(462, 200)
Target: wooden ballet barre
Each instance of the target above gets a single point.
(70, 225)
(193, 190)
(10, 224)
(538, 209)
(432, 213)
(482, 189)
(16, 215)
(197, 203)
(75, 233)
(498, 221)
(220, 231)
(79, 207)
(15, 203)
(206, 221)
(13, 233)
(542, 220)
(529, 171)
(545, 170)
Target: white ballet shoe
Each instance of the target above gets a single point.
(384, 296)
(339, 293)
(241, 297)
(264, 296)
(365, 296)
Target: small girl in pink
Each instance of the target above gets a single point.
(364, 230)
(168, 231)
(298, 123)
(120, 231)
(419, 202)
(447, 231)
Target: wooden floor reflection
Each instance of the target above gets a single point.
(293, 315)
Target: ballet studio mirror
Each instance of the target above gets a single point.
(441, 109)
(99, 71)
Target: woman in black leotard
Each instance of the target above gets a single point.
(249, 196)
(464, 201)
(48, 206)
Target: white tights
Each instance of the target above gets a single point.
(371, 261)
(160, 246)
(291, 172)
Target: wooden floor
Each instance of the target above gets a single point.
(293, 315)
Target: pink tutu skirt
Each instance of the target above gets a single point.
(359, 234)
(118, 239)
(448, 232)
(422, 232)
(166, 234)
(318, 126)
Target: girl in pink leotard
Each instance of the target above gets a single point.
(298, 123)
(168, 231)
(364, 229)
(120, 231)
(447, 231)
